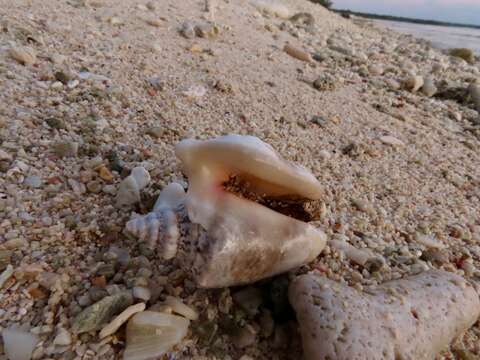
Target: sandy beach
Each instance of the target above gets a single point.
(90, 89)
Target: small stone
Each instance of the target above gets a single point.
(188, 30)
(107, 270)
(5, 258)
(413, 83)
(249, 299)
(24, 55)
(325, 82)
(474, 93)
(94, 186)
(464, 53)
(100, 281)
(66, 149)
(297, 53)
(429, 89)
(109, 189)
(393, 84)
(4, 156)
(55, 123)
(15, 243)
(195, 92)
(104, 173)
(206, 30)
(156, 132)
(390, 140)
(64, 76)
(33, 181)
(142, 293)
(95, 316)
(63, 337)
(375, 70)
(150, 6)
(154, 22)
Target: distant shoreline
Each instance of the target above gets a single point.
(404, 19)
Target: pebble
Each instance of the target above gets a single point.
(65, 149)
(94, 186)
(33, 181)
(390, 140)
(375, 70)
(63, 337)
(297, 53)
(244, 337)
(325, 82)
(24, 55)
(101, 312)
(155, 131)
(429, 89)
(474, 92)
(413, 83)
(55, 123)
(5, 156)
(188, 30)
(429, 241)
(142, 293)
(104, 173)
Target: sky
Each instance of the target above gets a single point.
(461, 11)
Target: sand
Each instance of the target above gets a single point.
(394, 164)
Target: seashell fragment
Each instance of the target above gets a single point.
(273, 7)
(178, 307)
(130, 187)
(241, 240)
(160, 227)
(19, 344)
(120, 319)
(412, 318)
(24, 55)
(151, 334)
(297, 53)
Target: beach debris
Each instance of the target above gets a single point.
(234, 237)
(391, 140)
(97, 315)
(18, 343)
(112, 327)
(159, 228)
(325, 82)
(413, 83)
(129, 189)
(463, 53)
(5, 275)
(474, 93)
(272, 7)
(297, 53)
(178, 307)
(412, 318)
(429, 89)
(24, 55)
(358, 256)
(151, 334)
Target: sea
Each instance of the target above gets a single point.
(443, 37)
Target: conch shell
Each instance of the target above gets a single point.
(235, 240)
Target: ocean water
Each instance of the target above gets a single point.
(443, 37)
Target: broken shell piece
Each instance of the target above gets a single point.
(19, 344)
(297, 53)
(243, 241)
(129, 190)
(120, 319)
(24, 55)
(151, 334)
(178, 307)
(160, 227)
(413, 318)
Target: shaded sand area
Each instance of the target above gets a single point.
(91, 89)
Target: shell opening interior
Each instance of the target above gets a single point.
(246, 186)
